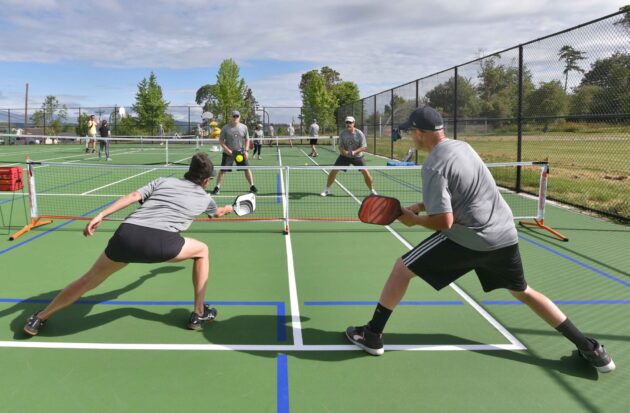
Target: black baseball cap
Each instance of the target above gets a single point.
(425, 118)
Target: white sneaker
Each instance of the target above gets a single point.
(325, 192)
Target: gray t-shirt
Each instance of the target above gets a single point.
(234, 136)
(353, 141)
(455, 179)
(314, 130)
(170, 204)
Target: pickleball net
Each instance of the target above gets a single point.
(286, 194)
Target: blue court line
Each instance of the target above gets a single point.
(575, 261)
(427, 303)
(561, 302)
(280, 307)
(400, 181)
(53, 229)
(282, 383)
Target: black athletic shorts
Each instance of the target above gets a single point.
(135, 243)
(313, 141)
(345, 161)
(228, 160)
(440, 261)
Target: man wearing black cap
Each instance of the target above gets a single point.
(474, 231)
(234, 140)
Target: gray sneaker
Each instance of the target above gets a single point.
(598, 357)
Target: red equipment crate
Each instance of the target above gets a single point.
(11, 179)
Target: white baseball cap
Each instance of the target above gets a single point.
(350, 119)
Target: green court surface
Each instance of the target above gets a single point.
(284, 302)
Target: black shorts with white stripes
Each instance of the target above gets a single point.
(440, 261)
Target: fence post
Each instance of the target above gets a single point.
(519, 120)
(417, 103)
(455, 103)
(115, 120)
(391, 141)
(374, 126)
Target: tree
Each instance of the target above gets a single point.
(229, 93)
(345, 93)
(82, 129)
(547, 100)
(317, 101)
(151, 108)
(570, 57)
(498, 88)
(442, 97)
(625, 20)
(581, 101)
(51, 116)
(612, 76)
(334, 95)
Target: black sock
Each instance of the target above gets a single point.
(571, 332)
(379, 319)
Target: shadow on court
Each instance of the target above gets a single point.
(75, 318)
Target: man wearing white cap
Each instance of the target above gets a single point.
(352, 143)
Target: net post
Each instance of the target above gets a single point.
(539, 221)
(32, 196)
(286, 202)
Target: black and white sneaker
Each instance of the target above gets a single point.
(34, 324)
(366, 339)
(598, 357)
(253, 189)
(197, 321)
(216, 191)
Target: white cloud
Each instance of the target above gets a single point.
(376, 44)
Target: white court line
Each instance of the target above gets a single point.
(246, 347)
(296, 322)
(500, 328)
(126, 179)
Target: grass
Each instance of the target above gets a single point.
(586, 169)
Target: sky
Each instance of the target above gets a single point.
(91, 53)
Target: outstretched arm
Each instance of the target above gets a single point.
(121, 203)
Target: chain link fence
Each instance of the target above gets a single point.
(563, 98)
(64, 121)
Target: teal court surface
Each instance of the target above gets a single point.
(284, 302)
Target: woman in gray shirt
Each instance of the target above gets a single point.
(150, 234)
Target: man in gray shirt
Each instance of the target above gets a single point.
(314, 134)
(352, 143)
(474, 231)
(234, 140)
